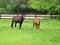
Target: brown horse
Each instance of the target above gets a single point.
(17, 19)
(36, 23)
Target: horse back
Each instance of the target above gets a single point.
(17, 19)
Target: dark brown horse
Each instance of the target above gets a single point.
(17, 19)
(36, 23)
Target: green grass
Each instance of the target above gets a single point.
(48, 34)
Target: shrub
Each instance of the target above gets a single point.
(58, 17)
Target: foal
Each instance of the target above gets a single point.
(17, 19)
(36, 23)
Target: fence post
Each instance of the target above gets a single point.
(0, 16)
(51, 16)
(17, 14)
(35, 15)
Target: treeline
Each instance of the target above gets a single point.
(46, 6)
(30, 6)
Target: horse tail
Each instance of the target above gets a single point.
(12, 24)
(39, 22)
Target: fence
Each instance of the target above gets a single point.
(27, 16)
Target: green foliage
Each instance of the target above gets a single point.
(41, 6)
(52, 6)
(58, 17)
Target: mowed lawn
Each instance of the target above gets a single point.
(48, 34)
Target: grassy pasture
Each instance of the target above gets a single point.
(48, 34)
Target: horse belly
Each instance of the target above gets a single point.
(38, 22)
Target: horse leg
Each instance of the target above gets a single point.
(33, 25)
(39, 25)
(20, 24)
(15, 24)
(36, 25)
(12, 24)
